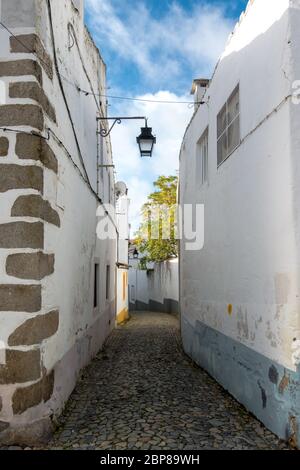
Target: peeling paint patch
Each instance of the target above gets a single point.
(282, 288)
(263, 395)
(242, 323)
(258, 322)
(273, 375)
(271, 336)
(292, 431)
(283, 383)
(296, 353)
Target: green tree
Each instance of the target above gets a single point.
(156, 237)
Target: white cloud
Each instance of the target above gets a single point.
(160, 48)
(168, 123)
(167, 52)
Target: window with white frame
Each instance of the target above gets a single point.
(202, 158)
(228, 126)
(107, 282)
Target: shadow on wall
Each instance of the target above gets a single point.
(253, 371)
(168, 306)
(155, 290)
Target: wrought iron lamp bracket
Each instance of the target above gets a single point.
(117, 120)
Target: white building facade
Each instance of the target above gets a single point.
(122, 216)
(239, 295)
(57, 279)
(154, 289)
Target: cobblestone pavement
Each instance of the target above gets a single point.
(142, 392)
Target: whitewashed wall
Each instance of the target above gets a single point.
(70, 289)
(77, 248)
(122, 213)
(240, 294)
(156, 289)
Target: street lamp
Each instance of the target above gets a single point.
(135, 254)
(145, 141)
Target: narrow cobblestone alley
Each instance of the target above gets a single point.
(142, 392)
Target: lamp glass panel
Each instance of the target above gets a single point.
(146, 145)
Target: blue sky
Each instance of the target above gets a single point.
(124, 72)
(154, 49)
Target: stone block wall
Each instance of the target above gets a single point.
(50, 327)
(26, 160)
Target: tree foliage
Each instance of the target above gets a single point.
(156, 237)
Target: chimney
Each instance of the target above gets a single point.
(199, 88)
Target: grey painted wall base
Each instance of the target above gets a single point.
(168, 306)
(268, 390)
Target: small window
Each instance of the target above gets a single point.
(101, 144)
(107, 282)
(132, 294)
(228, 126)
(202, 158)
(96, 286)
(108, 186)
